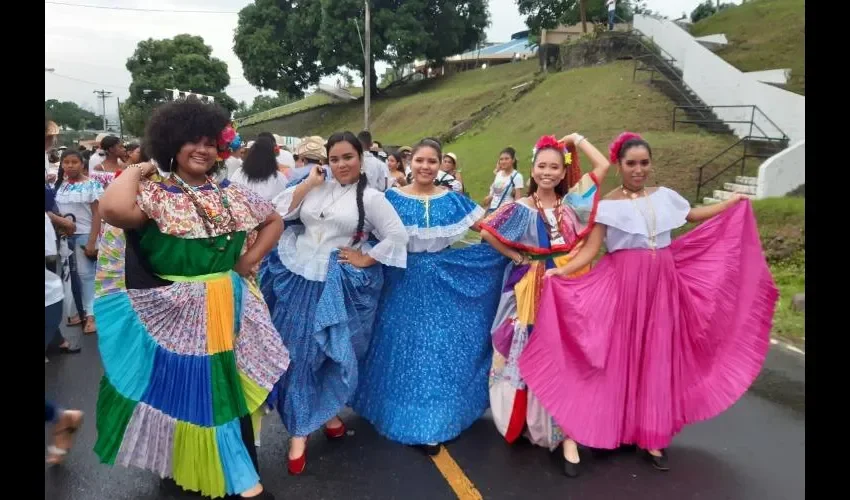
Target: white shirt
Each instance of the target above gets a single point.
(231, 165)
(286, 158)
(452, 180)
(268, 188)
(502, 181)
(329, 213)
(377, 172)
(612, 5)
(52, 283)
(96, 159)
(76, 198)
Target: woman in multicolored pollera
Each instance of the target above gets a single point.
(188, 348)
(538, 232)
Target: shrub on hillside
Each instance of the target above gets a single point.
(707, 9)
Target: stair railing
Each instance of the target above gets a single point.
(702, 181)
(751, 122)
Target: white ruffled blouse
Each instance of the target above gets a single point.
(626, 220)
(329, 216)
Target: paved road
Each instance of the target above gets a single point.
(754, 451)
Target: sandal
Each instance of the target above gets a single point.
(74, 321)
(90, 327)
(55, 454)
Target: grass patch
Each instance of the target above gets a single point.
(762, 34)
(600, 102)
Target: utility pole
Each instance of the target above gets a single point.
(103, 94)
(120, 123)
(367, 68)
(582, 6)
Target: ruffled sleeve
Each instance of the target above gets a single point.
(511, 224)
(445, 217)
(80, 192)
(149, 198)
(282, 202)
(670, 208)
(386, 225)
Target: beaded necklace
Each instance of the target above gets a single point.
(210, 216)
(553, 232)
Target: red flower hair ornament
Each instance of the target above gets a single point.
(228, 141)
(614, 148)
(571, 160)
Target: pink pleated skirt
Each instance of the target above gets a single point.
(650, 341)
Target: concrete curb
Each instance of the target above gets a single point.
(787, 346)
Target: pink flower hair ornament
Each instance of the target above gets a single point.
(614, 148)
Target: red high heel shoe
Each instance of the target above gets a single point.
(297, 465)
(336, 432)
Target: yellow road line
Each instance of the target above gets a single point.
(454, 475)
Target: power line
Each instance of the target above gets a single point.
(104, 7)
(124, 87)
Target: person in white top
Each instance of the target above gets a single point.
(449, 176)
(78, 195)
(612, 7)
(113, 152)
(65, 422)
(98, 155)
(322, 286)
(259, 171)
(377, 172)
(231, 165)
(508, 184)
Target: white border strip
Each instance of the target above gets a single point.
(787, 346)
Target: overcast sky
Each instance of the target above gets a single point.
(88, 47)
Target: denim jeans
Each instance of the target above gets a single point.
(82, 275)
(610, 20)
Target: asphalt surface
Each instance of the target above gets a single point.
(753, 451)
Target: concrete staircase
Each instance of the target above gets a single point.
(742, 184)
(673, 86)
(669, 80)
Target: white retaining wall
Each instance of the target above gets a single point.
(782, 172)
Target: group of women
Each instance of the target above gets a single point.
(363, 301)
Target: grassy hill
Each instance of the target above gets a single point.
(763, 34)
(599, 102)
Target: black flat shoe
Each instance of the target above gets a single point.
(65, 350)
(659, 463)
(429, 449)
(571, 469)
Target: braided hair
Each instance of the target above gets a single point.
(352, 139)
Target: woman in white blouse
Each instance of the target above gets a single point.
(259, 171)
(322, 286)
(508, 184)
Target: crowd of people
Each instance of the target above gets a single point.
(231, 278)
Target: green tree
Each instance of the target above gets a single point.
(707, 9)
(549, 14)
(288, 46)
(263, 103)
(69, 114)
(183, 62)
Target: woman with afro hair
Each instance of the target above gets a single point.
(188, 348)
